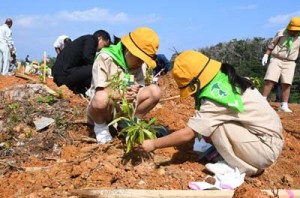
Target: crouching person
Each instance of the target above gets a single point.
(124, 58)
(231, 113)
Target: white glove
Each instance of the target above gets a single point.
(265, 59)
(231, 180)
(226, 181)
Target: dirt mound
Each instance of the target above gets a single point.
(63, 156)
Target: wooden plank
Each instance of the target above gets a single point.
(133, 193)
(26, 77)
(170, 98)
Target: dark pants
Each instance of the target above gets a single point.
(78, 80)
(279, 92)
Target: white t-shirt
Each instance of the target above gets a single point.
(59, 43)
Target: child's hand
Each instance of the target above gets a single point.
(147, 146)
(131, 92)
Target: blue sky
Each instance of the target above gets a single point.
(183, 25)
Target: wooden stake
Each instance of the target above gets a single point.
(170, 98)
(26, 77)
(44, 72)
(131, 193)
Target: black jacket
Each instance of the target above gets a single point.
(79, 53)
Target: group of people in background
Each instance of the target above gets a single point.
(230, 113)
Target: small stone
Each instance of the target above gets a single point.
(287, 179)
(210, 180)
(42, 123)
(161, 171)
(141, 182)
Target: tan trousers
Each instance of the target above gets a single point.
(240, 148)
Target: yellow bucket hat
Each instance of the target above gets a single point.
(294, 24)
(142, 43)
(192, 69)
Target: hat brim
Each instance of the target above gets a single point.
(294, 28)
(137, 52)
(212, 69)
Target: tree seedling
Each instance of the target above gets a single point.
(134, 131)
(149, 76)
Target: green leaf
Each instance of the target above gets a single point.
(149, 134)
(117, 120)
(141, 137)
(151, 122)
(125, 106)
(129, 147)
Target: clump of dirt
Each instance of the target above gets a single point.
(62, 157)
(248, 191)
(210, 180)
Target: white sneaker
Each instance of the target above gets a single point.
(285, 109)
(220, 168)
(102, 134)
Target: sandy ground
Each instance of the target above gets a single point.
(64, 157)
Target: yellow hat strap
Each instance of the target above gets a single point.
(196, 81)
(152, 57)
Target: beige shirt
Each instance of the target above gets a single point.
(259, 117)
(280, 51)
(104, 68)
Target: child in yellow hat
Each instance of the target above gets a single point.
(126, 59)
(284, 50)
(231, 114)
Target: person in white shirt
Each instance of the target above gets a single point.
(6, 46)
(61, 42)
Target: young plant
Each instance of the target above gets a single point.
(149, 76)
(60, 93)
(49, 99)
(42, 78)
(135, 132)
(117, 86)
(12, 110)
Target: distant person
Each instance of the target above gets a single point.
(61, 42)
(163, 65)
(230, 113)
(33, 68)
(6, 46)
(278, 97)
(13, 63)
(284, 50)
(27, 61)
(73, 65)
